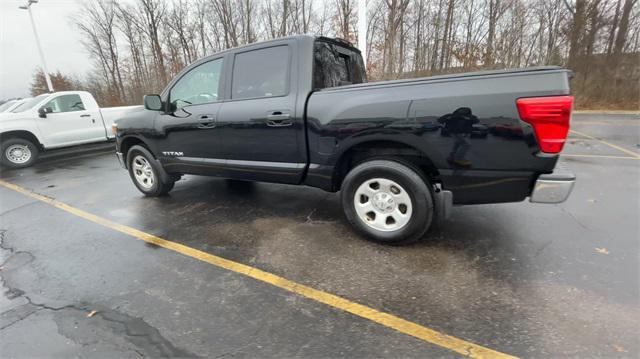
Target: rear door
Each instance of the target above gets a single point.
(261, 133)
(190, 125)
(68, 122)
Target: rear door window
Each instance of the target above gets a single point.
(260, 73)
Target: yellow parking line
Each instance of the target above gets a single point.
(388, 320)
(631, 153)
(598, 156)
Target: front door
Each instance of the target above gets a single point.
(68, 122)
(261, 135)
(190, 126)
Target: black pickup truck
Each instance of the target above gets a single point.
(298, 110)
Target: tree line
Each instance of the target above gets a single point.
(137, 47)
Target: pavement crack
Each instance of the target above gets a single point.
(12, 251)
(19, 207)
(20, 258)
(146, 338)
(542, 247)
(574, 218)
(13, 293)
(310, 214)
(55, 309)
(312, 221)
(2, 244)
(17, 315)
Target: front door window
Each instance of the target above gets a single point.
(65, 103)
(198, 86)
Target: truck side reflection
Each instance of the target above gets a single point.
(458, 125)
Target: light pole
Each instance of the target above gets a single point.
(27, 7)
(362, 29)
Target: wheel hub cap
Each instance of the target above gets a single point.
(383, 204)
(143, 172)
(18, 153)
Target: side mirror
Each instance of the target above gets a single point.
(43, 111)
(153, 102)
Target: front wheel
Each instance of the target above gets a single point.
(18, 153)
(144, 172)
(387, 202)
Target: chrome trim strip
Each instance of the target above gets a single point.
(240, 163)
(244, 163)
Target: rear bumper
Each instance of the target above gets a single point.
(553, 188)
(120, 157)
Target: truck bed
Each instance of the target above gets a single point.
(450, 77)
(502, 152)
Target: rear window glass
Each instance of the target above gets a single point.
(336, 66)
(260, 73)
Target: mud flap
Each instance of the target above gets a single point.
(443, 202)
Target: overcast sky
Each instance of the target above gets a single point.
(19, 53)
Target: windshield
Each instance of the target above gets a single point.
(30, 103)
(6, 105)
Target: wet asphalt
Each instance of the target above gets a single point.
(525, 279)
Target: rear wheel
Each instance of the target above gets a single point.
(144, 172)
(387, 202)
(18, 153)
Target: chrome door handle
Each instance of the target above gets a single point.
(207, 121)
(85, 115)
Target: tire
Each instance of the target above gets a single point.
(18, 153)
(387, 202)
(145, 173)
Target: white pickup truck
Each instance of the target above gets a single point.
(55, 120)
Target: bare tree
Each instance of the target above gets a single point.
(99, 28)
(137, 46)
(150, 19)
(495, 9)
(394, 34)
(344, 17)
(623, 27)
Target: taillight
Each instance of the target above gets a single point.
(549, 117)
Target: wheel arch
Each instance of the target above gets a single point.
(26, 135)
(129, 141)
(365, 150)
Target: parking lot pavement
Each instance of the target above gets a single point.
(525, 279)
